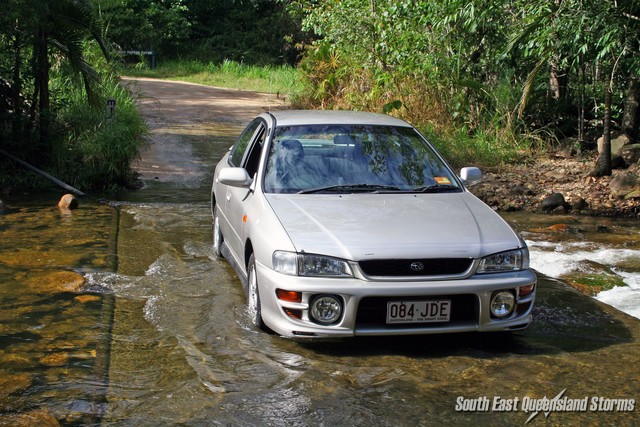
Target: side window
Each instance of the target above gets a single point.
(253, 158)
(239, 149)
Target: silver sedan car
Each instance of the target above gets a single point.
(346, 224)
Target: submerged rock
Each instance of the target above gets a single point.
(68, 201)
(55, 359)
(13, 383)
(61, 281)
(37, 417)
(559, 227)
(83, 299)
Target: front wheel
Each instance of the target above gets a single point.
(253, 297)
(217, 234)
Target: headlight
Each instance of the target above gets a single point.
(295, 264)
(515, 260)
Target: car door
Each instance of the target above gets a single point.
(245, 155)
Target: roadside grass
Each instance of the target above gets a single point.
(281, 80)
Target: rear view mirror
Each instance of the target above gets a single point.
(470, 175)
(235, 177)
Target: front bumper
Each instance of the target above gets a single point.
(364, 304)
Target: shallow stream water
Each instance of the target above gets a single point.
(156, 333)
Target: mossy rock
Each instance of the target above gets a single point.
(594, 283)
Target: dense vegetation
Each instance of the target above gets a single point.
(489, 81)
(54, 83)
(494, 74)
(257, 32)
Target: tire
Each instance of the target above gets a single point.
(217, 234)
(253, 295)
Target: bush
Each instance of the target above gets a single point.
(99, 149)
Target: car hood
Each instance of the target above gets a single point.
(379, 226)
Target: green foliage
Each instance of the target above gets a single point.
(100, 147)
(55, 78)
(147, 24)
(493, 78)
(42, 37)
(256, 32)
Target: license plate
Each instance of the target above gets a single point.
(418, 311)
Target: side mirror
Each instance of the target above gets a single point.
(470, 175)
(235, 177)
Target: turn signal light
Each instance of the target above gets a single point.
(296, 314)
(289, 296)
(523, 291)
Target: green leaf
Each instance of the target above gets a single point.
(390, 106)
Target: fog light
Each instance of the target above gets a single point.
(502, 304)
(326, 309)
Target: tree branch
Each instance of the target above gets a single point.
(630, 16)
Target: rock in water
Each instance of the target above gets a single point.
(68, 201)
(552, 201)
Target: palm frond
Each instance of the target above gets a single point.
(528, 85)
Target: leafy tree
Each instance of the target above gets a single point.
(52, 61)
(575, 36)
(251, 31)
(49, 29)
(515, 70)
(163, 25)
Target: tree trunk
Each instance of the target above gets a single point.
(557, 82)
(583, 101)
(630, 118)
(16, 125)
(42, 84)
(603, 164)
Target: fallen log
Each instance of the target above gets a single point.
(44, 174)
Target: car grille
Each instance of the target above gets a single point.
(416, 267)
(372, 312)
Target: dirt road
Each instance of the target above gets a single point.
(179, 108)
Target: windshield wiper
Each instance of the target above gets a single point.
(436, 188)
(351, 187)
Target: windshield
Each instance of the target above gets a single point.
(350, 158)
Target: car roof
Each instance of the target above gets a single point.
(330, 117)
